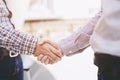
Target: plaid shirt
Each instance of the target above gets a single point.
(11, 39)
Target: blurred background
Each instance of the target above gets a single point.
(55, 20)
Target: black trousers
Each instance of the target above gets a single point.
(10, 68)
(108, 66)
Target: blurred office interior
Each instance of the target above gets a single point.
(55, 20)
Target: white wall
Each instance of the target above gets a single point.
(76, 8)
(18, 8)
(77, 67)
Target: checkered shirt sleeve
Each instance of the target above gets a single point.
(11, 39)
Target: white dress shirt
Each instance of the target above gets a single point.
(79, 40)
(102, 32)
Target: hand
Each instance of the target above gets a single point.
(47, 52)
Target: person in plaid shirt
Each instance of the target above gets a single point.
(14, 42)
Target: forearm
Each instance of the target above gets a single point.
(79, 40)
(16, 41)
(73, 45)
(11, 39)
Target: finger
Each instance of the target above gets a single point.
(51, 61)
(41, 42)
(54, 57)
(53, 44)
(60, 54)
(47, 61)
(39, 58)
(46, 50)
(44, 59)
(47, 53)
(55, 51)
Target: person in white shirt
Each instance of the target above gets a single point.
(102, 33)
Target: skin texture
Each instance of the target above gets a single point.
(48, 52)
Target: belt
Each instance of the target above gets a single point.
(12, 54)
(5, 52)
(102, 58)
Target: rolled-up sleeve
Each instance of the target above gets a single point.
(79, 40)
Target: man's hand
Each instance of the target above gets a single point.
(48, 52)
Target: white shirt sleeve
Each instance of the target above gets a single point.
(79, 40)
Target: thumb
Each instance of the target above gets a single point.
(53, 44)
(41, 42)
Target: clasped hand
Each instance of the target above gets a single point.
(48, 52)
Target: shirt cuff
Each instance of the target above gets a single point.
(73, 45)
(65, 47)
(30, 44)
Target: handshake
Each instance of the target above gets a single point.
(48, 52)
